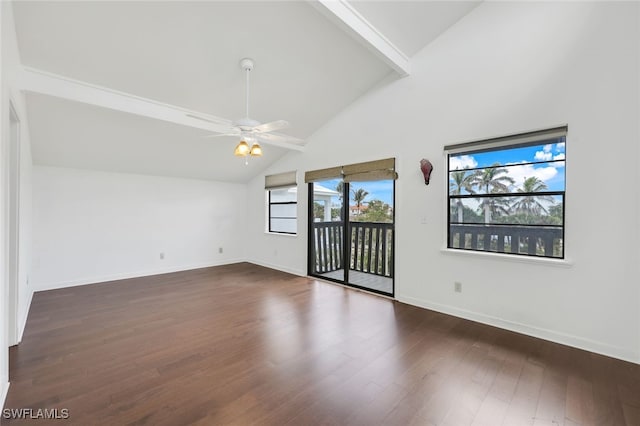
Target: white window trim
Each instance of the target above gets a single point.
(539, 260)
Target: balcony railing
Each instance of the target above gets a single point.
(546, 241)
(371, 247)
(328, 243)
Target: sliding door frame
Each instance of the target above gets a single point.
(311, 236)
(346, 241)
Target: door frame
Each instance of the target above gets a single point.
(346, 241)
(12, 223)
(311, 237)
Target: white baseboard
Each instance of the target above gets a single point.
(133, 274)
(4, 392)
(23, 321)
(279, 267)
(541, 333)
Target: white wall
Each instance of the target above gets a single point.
(9, 66)
(95, 226)
(505, 68)
(4, 341)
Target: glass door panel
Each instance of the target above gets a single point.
(370, 235)
(326, 239)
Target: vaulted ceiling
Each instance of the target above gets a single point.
(185, 56)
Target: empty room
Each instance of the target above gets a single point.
(320, 212)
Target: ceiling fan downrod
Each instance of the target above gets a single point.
(247, 65)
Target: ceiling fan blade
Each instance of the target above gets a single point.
(283, 141)
(279, 137)
(221, 134)
(270, 127)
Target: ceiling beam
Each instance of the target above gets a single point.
(38, 81)
(350, 20)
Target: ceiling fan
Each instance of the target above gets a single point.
(252, 131)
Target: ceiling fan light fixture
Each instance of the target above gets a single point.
(242, 150)
(256, 150)
(249, 129)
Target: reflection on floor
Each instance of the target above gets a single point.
(362, 279)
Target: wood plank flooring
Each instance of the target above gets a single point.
(241, 344)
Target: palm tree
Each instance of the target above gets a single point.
(530, 204)
(340, 188)
(493, 180)
(358, 196)
(555, 212)
(461, 180)
(494, 207)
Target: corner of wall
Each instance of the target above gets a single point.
(4, 354)
(23, 321)
(4, 391)
(283, 268)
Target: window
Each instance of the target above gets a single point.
(507, 195)
(282, 203)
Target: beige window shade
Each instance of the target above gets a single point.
(372, 175)
(371, 170)
(281, 180)
(323, 174)
(359, 172)
(369, 166)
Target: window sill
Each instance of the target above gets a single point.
(280, 234)
(561, 263)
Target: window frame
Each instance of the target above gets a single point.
(270, 217)
(534, 138)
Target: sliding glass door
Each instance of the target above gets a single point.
(326, 230)
(351, 233)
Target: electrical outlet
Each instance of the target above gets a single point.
(161, 255)
(457, 287)
(220, 250)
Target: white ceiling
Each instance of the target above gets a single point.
(71, 134)
(411, 25)
(186, 54)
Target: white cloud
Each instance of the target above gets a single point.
(520, 173)
(462, 162)
(547, 152)
(543, 155)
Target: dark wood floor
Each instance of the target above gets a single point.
(241, 344)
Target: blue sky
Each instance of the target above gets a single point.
(550, 173)
(378, 190)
